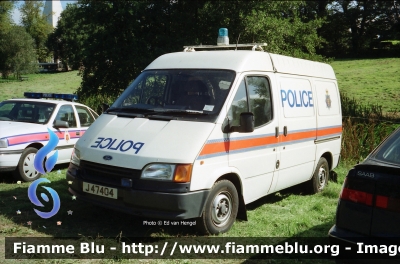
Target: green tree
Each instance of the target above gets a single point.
(5, 15)
(36, 25)
(361, 22)
(354, 27)
(117, 48)
(17, 54)
(113, 41)
(69, 38)
(282, 26)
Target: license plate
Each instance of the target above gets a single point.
(100, 190)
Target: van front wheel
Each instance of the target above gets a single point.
(220, 209)
(320, 178)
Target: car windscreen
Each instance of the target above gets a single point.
(28, 112)
(189, 94)
(389, 151)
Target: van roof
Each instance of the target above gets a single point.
(242, 61)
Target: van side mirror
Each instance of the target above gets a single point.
(246, 124)
(60, 124)
(104, 107)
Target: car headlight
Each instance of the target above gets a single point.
(3, 143)
(167, 172)
(75, 157)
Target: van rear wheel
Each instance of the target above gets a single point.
(221, 208)
(320, 178)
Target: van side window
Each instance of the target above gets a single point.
(239, 105)
(254, 96)
(260, 99)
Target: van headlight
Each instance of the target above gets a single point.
(76, 157)
(3, 143)
(168, 172)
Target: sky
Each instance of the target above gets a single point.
(16, 15)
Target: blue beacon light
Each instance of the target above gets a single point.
(223, 38)
(68, 97)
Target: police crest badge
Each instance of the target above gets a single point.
(328, 100)
(67, 137)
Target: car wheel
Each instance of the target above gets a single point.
(320, 178)
(25, 170)
(220, 209)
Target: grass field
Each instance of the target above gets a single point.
(284, 214)
(371, 81)
(60, 82)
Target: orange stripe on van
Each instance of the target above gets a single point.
(212, 148)
(329, 131)
(299, 135)
(252, 142)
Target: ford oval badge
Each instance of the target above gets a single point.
(107, 157)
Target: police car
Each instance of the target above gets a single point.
(24, 127)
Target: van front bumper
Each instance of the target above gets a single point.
(152, 204)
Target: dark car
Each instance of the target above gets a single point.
(368, 211)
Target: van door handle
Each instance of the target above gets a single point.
(276, 131)
(78, 133)
(277, 164)
(285, 131)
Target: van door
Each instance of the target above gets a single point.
(297, 130)
(254, 154)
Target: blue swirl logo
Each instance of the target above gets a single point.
(34, 199)
(41, 154)
(38, 163)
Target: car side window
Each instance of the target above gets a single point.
(94, 114)
(390, 150)
(85, 118)
(253, 95)
(66, 113)
(45, 113)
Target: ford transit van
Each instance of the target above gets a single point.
(200, 134)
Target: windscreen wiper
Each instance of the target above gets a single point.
(178, 111)
(154, 113)
(168, 114)
(129, 111)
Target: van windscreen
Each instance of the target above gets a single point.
(194, 94)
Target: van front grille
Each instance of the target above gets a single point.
(106, 174)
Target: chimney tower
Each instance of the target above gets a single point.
(52, 9)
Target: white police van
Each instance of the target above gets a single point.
(200, 134)
(24, 125)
